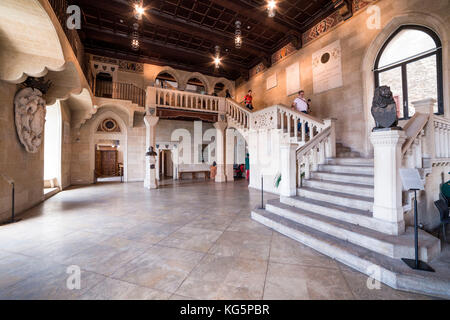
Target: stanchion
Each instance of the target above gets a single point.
(262, 192)
(415, 263)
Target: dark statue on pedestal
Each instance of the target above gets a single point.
(384, 109)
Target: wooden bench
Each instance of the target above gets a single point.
(194, 174)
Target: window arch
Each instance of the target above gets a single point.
(410, 62)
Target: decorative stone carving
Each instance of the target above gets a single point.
(30, 118)
(384, 109)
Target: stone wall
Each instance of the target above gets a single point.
(350, 104)
(26, 169)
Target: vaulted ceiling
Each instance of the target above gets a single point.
(183, 33)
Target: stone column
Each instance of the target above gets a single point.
(220, 150)
(387, 206)
(150, 140)
(288, 185)
(229, 154)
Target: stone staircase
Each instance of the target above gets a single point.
(332, 213)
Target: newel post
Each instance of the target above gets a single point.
(331, 145)
(387, 205)
(426, 106)
(288, 185)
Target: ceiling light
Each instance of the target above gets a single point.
(271, 6)
(217, 57)
(135, 37)
(238, 35)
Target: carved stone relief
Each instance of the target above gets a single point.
(30, 118)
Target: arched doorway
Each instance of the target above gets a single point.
(104, 85)
(167, 81)
(196, 86)
(410, 63)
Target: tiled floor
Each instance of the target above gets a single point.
(188, 241)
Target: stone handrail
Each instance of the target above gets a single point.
(237, 113)
(184, 100)
(316, 151)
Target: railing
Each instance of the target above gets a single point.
(315, 152)
(237, 113)
(442, 137)
(121, 91)
(175, 99)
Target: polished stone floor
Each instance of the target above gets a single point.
(188, 241)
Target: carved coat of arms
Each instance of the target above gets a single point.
(30, 118)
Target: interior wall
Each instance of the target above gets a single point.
(26, 169)
(66, 149)
(349, 104)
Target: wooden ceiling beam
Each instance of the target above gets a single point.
(149, 45)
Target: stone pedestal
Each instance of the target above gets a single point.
(387, 205)
(220, 150)
(288, 185)
(150, 140)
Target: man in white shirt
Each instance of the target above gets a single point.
(301, 105)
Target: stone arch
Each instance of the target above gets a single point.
(427, 20)
(174, 73)
(200, 77)
(228, 85)
(19, 58)
(34, 44)
(124, 107)
(122, 136)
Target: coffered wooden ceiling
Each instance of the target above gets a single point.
(183, 33)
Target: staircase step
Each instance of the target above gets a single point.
(392, 246)
(348, 154)
(392, 272)
(348, 188)
(360, 169)
(343, 177)
(350, 161)
(342, 199)
(338, 212)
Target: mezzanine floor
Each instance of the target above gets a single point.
(187, 241)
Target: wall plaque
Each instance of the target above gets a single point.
(327, 68)
(293, 79)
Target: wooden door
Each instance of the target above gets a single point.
(98, 162)
(109, 162)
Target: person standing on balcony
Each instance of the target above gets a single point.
(248, 100)
(227, 94)
(301, 105)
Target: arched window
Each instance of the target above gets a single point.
(410, 63)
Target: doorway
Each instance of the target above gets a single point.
(108, 165)
(165, 164)
(52, 149)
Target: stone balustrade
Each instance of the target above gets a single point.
(238, 114)
(183, 100)
(442, 137)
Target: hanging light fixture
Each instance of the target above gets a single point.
(238, 35)
(217, 57)
(271, 6)
(138, 9)
(135, 37)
